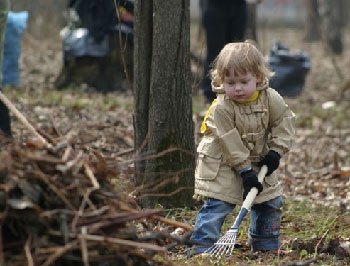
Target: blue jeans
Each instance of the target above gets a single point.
(264, 230)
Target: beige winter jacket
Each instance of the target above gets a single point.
(238, 135)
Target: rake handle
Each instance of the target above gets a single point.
(247, 203)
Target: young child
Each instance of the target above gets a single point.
(248, 125)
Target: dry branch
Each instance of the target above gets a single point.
(21, 117)
(69, 210)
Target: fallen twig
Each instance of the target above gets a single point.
(20, 117)
(323, 236)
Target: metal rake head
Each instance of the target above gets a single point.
(225, 245)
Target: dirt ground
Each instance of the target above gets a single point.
(317, 169)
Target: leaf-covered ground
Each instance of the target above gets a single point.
(316, 219)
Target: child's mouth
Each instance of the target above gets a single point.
(240, 97)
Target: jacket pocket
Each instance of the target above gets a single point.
(271, 180)
(207, 167)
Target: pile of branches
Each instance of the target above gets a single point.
(58, 206)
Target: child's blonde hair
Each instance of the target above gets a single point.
(242, 57)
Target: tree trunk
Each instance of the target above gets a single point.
(251, 23)
(312, 28)
(163, 102)
(344, 13)
(331, 23)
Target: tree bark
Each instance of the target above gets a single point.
(163, 102)
(251, 23)
(332, 24)
(142, 72)
(312, 28)
(326, 20)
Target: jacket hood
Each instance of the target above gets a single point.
(263, 85)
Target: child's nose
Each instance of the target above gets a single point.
(237, 87)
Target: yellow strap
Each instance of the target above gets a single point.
(204, 125)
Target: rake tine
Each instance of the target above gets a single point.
(225, 245)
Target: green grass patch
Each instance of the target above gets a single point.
(313, 225)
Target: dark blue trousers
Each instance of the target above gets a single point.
(224, 21)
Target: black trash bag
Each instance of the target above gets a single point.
(290, 70)
(91, 24)
(79, 43)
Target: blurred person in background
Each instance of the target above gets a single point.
(224, 21)
(5, 121)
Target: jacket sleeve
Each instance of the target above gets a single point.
(281, 124)
(221, 123)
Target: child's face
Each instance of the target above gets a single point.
(239, 87)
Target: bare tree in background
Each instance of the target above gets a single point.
(252, 20)
(312, 28)
(331, 22)
(164, 131)
(326, 20)
(46, 17)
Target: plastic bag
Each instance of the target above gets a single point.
(78, 43)
(290, 70)
(15, 27)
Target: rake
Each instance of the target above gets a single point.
(226, 244)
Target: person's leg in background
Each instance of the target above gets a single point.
(5, 120)
(215, 21)
(224, 21)
(238, 18)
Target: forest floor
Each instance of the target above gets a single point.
(316, 214)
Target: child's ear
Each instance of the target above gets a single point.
(259, 79)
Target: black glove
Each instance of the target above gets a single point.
(250, 180)
(271, 160)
